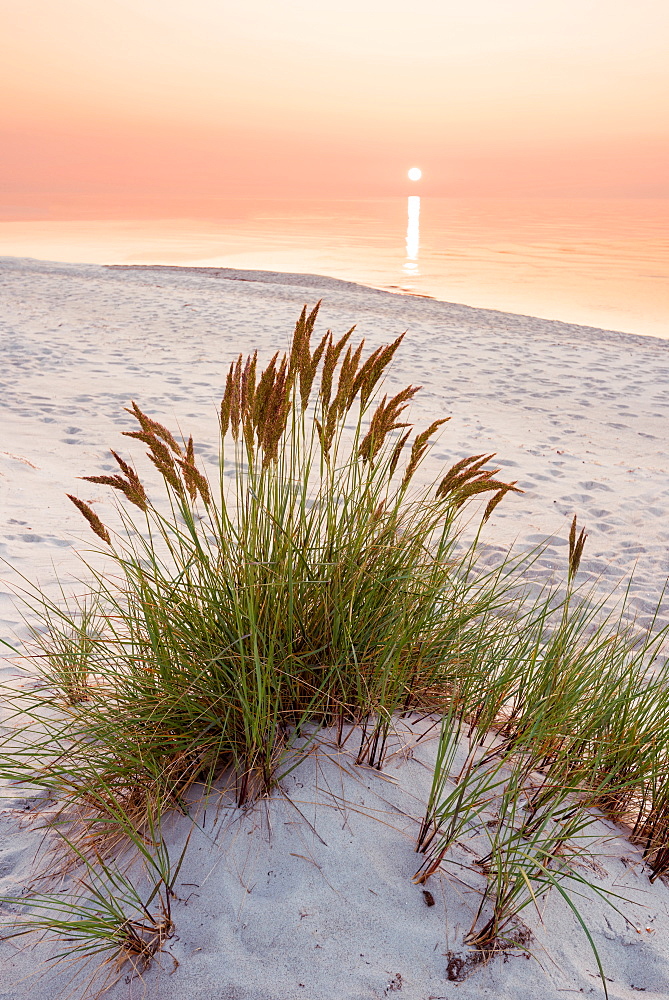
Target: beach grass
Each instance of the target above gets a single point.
(319, 584)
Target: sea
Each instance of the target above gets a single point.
(596, 262)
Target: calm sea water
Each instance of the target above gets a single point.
(603, 263)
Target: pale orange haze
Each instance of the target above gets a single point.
(110, 106)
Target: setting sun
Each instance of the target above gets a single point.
(415, 174)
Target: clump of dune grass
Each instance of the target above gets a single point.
(113, 919)
(316, 587)
(313, 582)
(572, 727)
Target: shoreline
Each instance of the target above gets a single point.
(309, 279)
(576, 263)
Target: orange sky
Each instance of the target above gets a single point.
(166, 105)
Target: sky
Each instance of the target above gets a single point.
(159, 106)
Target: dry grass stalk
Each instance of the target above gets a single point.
(131, 486)
(419, 447)
(92, 518)
(247, 396)
(652, 833)
(332, 353)
(372, 370)
(303, 364)
(226, 402)
(195, 481)
(153, 428)
(575, 548)
(468, 478)
(497, 499)
(384, 420)
(272, 417)
(397, 451)
(236, 403)
(155, 435)
(309, 369)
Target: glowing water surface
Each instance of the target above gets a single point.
(602, 263)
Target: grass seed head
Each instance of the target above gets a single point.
(575, 548)
(345, 396)
(150, 426)
(277, 408)
(299, 344)
(236, 399)
(466, 467)
(497, 498)
(248, 386)
(300, 359)
(168, 472)
(332, 355)
(419, 447)
(467, 479)
(226, 402)
(92, 518)
(193, 478)
(377, 369)
(307, 377)
(397, 451)
(135, 493)
(384, 420)
(156, 446)
(261, 397)
(131, 486)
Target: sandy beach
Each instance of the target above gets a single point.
(326, 909)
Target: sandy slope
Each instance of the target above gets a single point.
(310, 896)
(578, 416)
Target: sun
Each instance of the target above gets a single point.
(415, 174)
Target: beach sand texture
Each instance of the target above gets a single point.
(578, 416)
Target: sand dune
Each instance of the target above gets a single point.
(578, 416)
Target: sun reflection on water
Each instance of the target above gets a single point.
(413, 235)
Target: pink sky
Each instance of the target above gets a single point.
(158, 105)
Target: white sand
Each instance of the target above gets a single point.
(577, 415)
